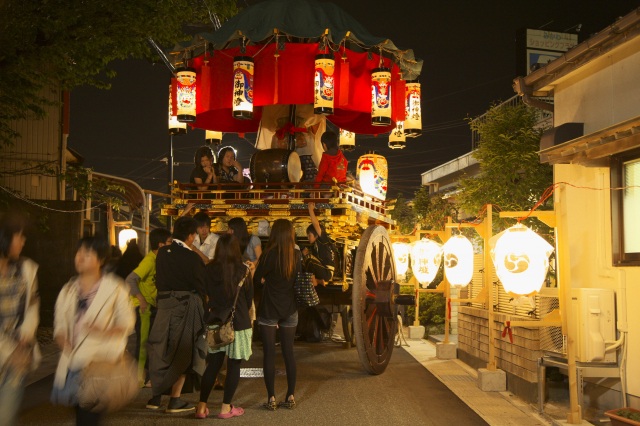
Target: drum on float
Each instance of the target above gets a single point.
(275, 165)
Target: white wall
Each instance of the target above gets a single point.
(586, 216)
(602, 93)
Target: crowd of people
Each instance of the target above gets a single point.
(190, 278)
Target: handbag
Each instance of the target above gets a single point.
(107, 386)
(304, 290)
(221, 335)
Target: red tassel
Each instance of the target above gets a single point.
(275, 79)
(507, 330)
(204, 91)
(449, 308)
(398, 112)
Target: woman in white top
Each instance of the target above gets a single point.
(92, 320)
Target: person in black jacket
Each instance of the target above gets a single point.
(223, 276)
(276, 272)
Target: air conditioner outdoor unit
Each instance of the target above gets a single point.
(594, 324)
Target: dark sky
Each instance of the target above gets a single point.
(469, 54)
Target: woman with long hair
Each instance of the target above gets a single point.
(250, 245)
(229, 169)
(203, 172)
(223, 276)
(19, 316)
(276, 273)
(92, 321)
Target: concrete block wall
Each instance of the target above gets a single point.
(518, 359)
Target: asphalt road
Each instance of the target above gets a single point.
(332, 389)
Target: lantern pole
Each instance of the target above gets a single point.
(170, 219)
(550, 218)
(488, 267)
(447, 286)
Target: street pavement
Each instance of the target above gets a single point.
(332, 388)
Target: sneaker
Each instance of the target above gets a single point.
(155, 403)
(176, 405)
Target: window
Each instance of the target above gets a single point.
(625, 173)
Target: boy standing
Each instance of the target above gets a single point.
(321, 260)
(142, 284)
(205, 241)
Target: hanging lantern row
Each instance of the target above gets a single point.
(397, 138)
(519, 255)
(347, 140)
(175, 127)
(324, 94)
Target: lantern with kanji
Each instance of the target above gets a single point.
(413, 112)
(397, 138)
(243, 87)
(426, 257)
(347, 140)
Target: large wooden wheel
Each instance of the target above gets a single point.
(374, 309)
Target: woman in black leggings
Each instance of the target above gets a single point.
(276, 272)
(224, 274)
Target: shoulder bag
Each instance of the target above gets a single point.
(220, 335)
(304, 290)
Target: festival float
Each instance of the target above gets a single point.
(282, 69)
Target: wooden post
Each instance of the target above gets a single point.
(488, 284)
(447, 286)
(564, 297)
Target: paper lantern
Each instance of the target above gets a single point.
(186, 94)
(413, 109)
(324, 84)
(426, 256)
(381, 97)
(175, 127)
(243, 87)
(347, 140)
(371, 173)
(212, 137)
(125, 236)
(397, 139)
(458, 260)
(521, 259)
(401, 257)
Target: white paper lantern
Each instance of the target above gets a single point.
(324, 84)
(521, 259)
(413, 112)
(243, 87)
(426, 256)
(347, 140)
(124, 237)
(401, 257)
(397, 138)
(458, 260)
(211, 137)
(381, 97)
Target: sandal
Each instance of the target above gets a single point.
(234, 412)
(290, 403)
(271, 405)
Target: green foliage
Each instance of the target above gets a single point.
(403, 214)
(97, 189)
(432, 211)
(628, 414)
(69, 43)
(432, 311)
(512, 177)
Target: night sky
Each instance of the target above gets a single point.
(469, 54)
